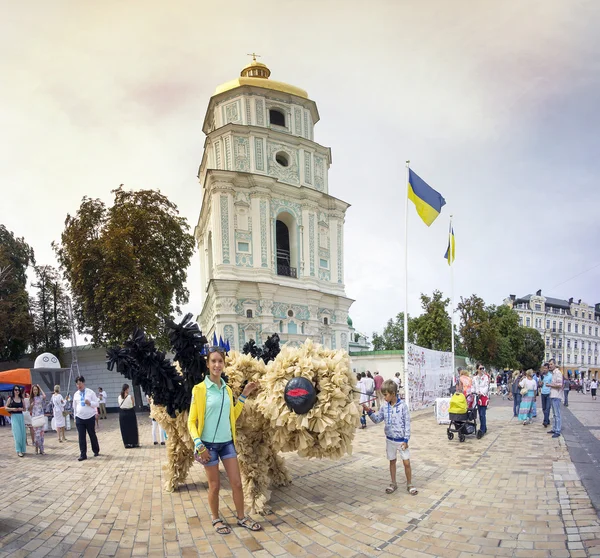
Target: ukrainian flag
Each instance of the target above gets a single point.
(451, 250)
(428, 202)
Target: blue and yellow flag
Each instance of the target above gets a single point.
(451, 250)
(428, 202)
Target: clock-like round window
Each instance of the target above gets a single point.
(282, 158)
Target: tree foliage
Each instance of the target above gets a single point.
(49, 312)
(392, 337)
(126, 265)
(490, 334)
(433, 327)
(532, 349)
(16, 325)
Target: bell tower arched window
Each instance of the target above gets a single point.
(277, 117)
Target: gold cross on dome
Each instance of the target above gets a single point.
(254, 56)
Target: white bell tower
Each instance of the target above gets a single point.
(271, 238)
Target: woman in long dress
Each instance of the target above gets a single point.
(527, 399)
(15, 406)
(127, 419)
(58, 406)
(36, 408)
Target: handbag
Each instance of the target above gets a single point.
(27, 418)
(38, 421)
(483, 400)
(524, 391)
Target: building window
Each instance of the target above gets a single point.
(547, 356)
(569, 327)
(520, 320)
(589, 360)
(282, 158)
(575, 359)
(323, 263)
(528, 322)
(589, 330)
(568, 343)
(325, 320)
(554, 325)
(277, 117)
(568, 359)
(548, 341)
(559, 326)
(248, 313)
(576, 313)
(243, 247)
(576, 328)
(589, 316)
(538, 307)
(575, 343)
(290, 313)
(547, 324)
(596, 332)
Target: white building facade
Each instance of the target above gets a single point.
(270, 236)
(570, 329)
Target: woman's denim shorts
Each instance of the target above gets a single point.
(223, 450)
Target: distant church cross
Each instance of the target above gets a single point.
(254, 56)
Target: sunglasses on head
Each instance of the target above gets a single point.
(215, 349)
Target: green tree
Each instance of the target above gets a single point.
(126, 265)
(490, 334)
(16, 325)
(532, 350)
(433, 328)
(392, 337)
(49, 311)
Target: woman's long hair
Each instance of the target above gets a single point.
(123, 389)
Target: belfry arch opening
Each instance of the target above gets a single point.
(286, 243)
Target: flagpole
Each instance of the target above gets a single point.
(405, 359)
(451, 254)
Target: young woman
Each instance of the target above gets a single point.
(528, 387)
(38, 418)
(15, 406)
(58, 407)
(127, 419)
(212, 426)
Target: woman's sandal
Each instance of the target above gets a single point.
(249, 523)
(411, 490)
(391, 488)
(224, 529)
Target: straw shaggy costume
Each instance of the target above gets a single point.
(267, 426)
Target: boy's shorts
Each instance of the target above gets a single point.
(393, 448)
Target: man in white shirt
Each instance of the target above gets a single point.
(556, 388)
(85, 404)
(102, 397)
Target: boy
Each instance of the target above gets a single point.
(397, 432)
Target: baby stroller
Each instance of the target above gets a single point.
(464, 423)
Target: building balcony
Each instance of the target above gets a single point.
(287, 271)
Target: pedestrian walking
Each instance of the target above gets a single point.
(378, 379)
(481, 387)
(546, 380)
(38, 418)
(528, 386)
(566, 389)
(85, 404)
(594, 387)
(127, 419)
(102, 397)
(15, 406)
(516, 392)
(58, 410)
(397, 433)
(556, 388)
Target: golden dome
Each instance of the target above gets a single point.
(257, 74)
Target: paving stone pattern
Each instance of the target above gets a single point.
(513, 493)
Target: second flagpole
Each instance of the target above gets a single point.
(405, 359)
(451, 255)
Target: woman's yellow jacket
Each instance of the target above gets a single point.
(198, 408)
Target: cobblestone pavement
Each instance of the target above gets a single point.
(513, 493)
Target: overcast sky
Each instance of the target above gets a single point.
(495, 104)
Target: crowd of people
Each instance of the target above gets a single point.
(32, 412)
